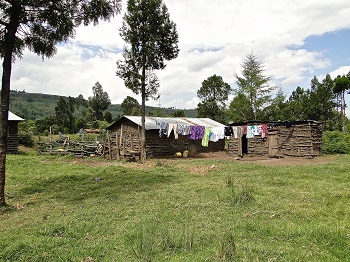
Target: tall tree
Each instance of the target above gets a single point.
(64, 112)
(130, 106)
(99, 102)
(253, 86)
(39, 26)
(278, 109)
(213, 94)
(151, 39)
(341, 86)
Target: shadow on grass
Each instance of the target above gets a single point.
(105, 182)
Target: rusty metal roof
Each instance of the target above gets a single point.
(153, 122)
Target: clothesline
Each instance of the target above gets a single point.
(210, 133)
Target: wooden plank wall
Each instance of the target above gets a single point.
(12, 138)
(302, 140)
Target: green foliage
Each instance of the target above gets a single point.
(25, 139)
(213, 95)
(130, 106)
(64, 113)
(253, 88)
(99, 102)
(178, 113)
(336, 142)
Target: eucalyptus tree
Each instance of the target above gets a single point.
(151, 38)
(39, 26)
(341, 86)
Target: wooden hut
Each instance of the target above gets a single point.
(280, 139)
(125, 137)
(12, 135)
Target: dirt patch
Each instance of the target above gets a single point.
(266, 160)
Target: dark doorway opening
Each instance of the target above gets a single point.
(244, 144)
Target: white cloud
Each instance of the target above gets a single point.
(214, 38)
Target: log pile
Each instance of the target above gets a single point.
(76, 148)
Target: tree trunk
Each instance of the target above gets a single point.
(343, 110)
(143, 115)
(10, 36)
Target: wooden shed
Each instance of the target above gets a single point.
(125, 137)
(12, 135)
(280, 139)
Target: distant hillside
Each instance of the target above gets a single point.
(33, 106)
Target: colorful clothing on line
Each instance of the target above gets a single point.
(206, 136)
(250, 132)
(196, 132)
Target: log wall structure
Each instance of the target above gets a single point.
(125, 142)
(12, 137)
(12, 133)
(297, 139)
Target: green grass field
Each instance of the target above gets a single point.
(66, 209)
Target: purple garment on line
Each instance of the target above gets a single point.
(197, 132)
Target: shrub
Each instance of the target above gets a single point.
(335, 142)
(25, 139)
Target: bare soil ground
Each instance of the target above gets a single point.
(266, 160)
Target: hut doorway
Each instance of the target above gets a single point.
(243, 147)
(272, 142)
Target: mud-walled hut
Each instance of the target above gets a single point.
(165, 136)
(12, 134)
(276, 139)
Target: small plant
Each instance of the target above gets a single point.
(241, 196)
(229, 182)
(226, 247)
(177, 241)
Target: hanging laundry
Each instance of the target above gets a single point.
(182, 129)
(228, 131)
(244, 130)
(163, 129)
(206, 136)
(196, 132)
(265, 130)
(171, 128)
(218, 132)
(257, 130)
(250, 131)
(235, 131)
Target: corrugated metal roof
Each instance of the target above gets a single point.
(13, 117)
(153, 122)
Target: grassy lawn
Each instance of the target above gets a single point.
(66, 209)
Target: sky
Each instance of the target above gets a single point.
(295, 40)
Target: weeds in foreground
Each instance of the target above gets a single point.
(226, 249)
(239, 195)
(152, 238)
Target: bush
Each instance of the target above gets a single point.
(25, 139)
(335, 142)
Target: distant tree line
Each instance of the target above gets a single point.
(72, 114)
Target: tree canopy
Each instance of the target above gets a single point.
(213, 93)
(130, 106)
(39, 26)
(253, 88)
(151, 38)
(99, 102)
